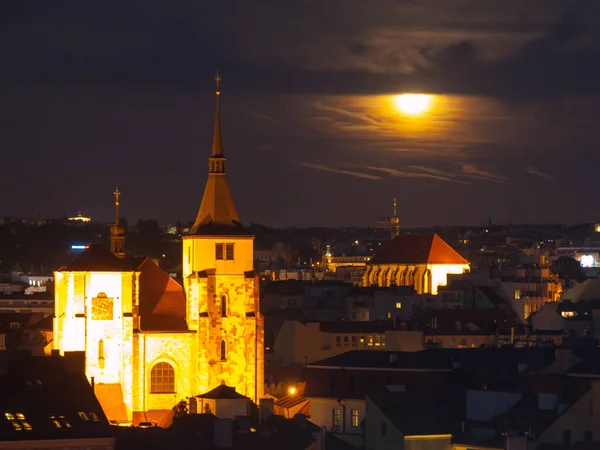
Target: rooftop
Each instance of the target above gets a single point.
(417, 249)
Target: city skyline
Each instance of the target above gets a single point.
(103, 96)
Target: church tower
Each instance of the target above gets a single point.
(221, 286)
(117, 232)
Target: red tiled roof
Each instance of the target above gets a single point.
(162, 300)
(417, 249)
(110, 397)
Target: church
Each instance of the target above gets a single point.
(151, 342)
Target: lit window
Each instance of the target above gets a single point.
(83, 415)
(94, 417)
(398, 305)
(219, 251)
(229, 252)
(9, 416)
(335, 417)
(26, 425)
(20, 416)
(370, 341)
(162, 378)
(55, 421)
(17, 425)
(354, 415)
(377, 341)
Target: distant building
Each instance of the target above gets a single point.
(79, 218)
(419, 260)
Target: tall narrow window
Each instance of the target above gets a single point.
(219, 251)
(335, 417)
(223, 351)
(189, 261)
(229, 252)
(223, 306)
(101, 353)
(162, 379)
(355, 421)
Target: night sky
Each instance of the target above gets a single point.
(98, 94)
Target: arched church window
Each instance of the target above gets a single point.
(162, 379)
(101, 353)
(223, 306)
(223, 350)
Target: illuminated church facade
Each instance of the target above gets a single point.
(150, 341)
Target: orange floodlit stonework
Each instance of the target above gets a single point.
(150, 341)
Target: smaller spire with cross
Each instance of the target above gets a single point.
(117, 194)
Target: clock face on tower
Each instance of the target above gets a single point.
(102, 307)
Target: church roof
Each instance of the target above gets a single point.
(217, 214)
(223, 392)
(417, 249)
(98, 258)
(162, 300)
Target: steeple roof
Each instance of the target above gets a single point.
(217, 213)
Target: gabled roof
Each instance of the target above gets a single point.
(417, 249)
(162, 300)
(98, 258)
(223, 392)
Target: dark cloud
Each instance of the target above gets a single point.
(119, 92)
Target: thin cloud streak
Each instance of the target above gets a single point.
(538, 173)
(472, 171)
(401, 174)
(324, 168)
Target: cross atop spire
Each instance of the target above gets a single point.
(117, 193)
(217, 146)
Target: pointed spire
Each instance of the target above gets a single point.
(217, 207)
(217, 146)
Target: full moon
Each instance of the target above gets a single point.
(412, 104)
